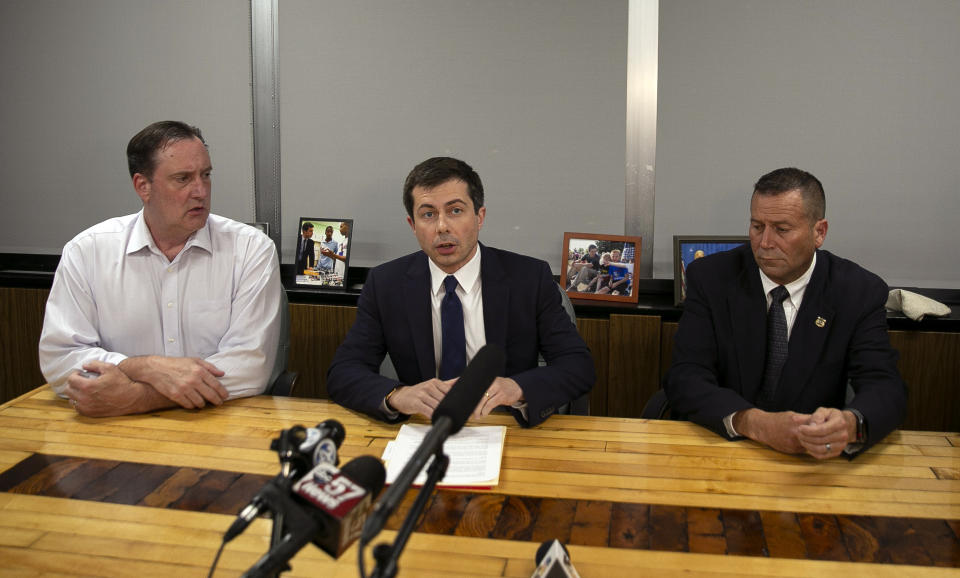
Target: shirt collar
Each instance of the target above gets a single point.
(467, 276)
(796, 287)
(140, 237)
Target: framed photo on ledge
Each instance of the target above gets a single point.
(598, 266)
(688, 248)
(322, 252)
(262, 225)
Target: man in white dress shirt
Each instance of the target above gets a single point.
(171, 306)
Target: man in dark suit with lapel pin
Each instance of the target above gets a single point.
(434, 309)
(773, 332)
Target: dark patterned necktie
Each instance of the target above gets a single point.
(453, 344)
(776, 347)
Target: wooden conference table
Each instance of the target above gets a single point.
(151, 495)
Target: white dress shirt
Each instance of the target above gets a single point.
(115, 295)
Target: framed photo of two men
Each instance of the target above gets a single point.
(322, 256)
(598, 266)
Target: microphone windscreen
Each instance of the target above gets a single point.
(367, 472)
(465, 394)
(542, 551)
(545, 547)
(334, 430)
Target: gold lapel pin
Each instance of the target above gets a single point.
(820, 322)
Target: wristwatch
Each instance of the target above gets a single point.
(861, 425)
(386, 400)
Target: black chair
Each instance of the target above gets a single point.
(283, 381)
(581, 405)
(657, 407)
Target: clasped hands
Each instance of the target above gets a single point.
(136, 384)
(823, 434)
(425, 396)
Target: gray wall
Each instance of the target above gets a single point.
(862, 93)
(531, 93)
(81, 78)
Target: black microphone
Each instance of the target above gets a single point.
(323, 441)
(553, 561)
(328, 506)
(297, 447)
(448, 419)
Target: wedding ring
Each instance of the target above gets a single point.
(828, 447)
(74, 402)
(486, 394)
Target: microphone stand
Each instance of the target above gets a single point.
(286, 449)
(284, 547)
(387, 555)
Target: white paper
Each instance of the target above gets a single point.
(475, 454)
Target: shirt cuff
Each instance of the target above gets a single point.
(728, 424)
(521, 406)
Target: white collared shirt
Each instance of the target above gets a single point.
(795, 288)
(470, 291)
(115, 295)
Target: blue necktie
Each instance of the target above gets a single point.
(453, 345)
(777, 347)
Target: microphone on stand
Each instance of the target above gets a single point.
(299, 449)
(448, 419)
(327, 506)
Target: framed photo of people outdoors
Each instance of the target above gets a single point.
(322, 256)
(688, 248)
(598, 266)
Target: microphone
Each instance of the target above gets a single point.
(448, 418)
(344, 497)
(323, 442)
(553, 561)
(294, 447)
(328, 507)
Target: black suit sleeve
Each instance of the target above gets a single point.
(568, 372)
(879, 392)
(354, 379)
(692, 384)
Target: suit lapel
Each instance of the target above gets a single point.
(496, 297)
(416, 298)
(748, 318)
(808, 337)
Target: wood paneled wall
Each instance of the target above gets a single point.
(631, 353)
(21, 319)
(930, 364)
(315, 333)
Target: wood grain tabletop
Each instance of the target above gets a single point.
(152, 495)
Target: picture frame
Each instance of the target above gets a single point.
(322, 261)
(602, 274)
(262, 225)
(688, 248)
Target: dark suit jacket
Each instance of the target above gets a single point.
(522, 313)
(719, 348)
(306, 256)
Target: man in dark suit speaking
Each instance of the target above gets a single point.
(771, 335)
(434, 309)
